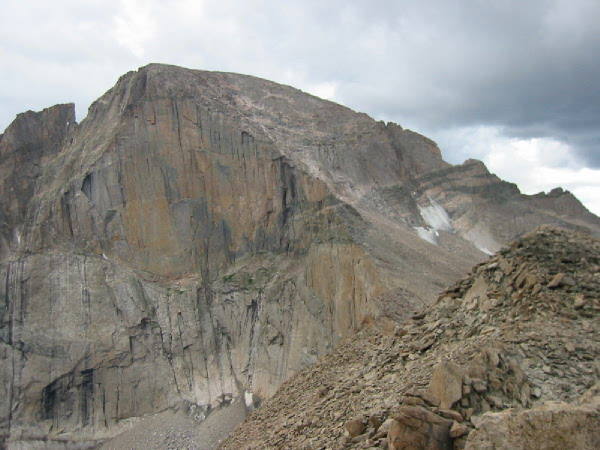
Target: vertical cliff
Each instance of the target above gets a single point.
(201, 236)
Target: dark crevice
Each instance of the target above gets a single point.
(66, 211)
(86, 396)
(86, 186)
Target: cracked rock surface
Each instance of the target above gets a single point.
(200, 237)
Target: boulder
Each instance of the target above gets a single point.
(458, 429)
(355, 427)
(446, 384)
(415, 427)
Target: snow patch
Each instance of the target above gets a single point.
(436, 216)
(427, 234)
(484, 250)
(249, 399)
(437, 219)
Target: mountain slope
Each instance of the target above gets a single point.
(522, 329)
(219, 232)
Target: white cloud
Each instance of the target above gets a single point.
(323, 90)
(583, 182)
(134, 25)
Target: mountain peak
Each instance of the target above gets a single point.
(219, 233)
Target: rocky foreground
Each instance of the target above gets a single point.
(507, 358)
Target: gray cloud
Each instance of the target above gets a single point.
(529, 68)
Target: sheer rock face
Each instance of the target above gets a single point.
(26, 145)
(204, 235)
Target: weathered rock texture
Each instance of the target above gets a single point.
(504, 359)
(202, 236)
(550, 426)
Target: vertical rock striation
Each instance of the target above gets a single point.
(201, 236)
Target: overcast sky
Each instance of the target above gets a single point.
(513, 83)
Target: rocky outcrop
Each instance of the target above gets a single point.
(506, 358)
(417, 427)
(26, 145)
(552, 425)
(220, 232)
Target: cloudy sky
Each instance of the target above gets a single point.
(513, 83)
